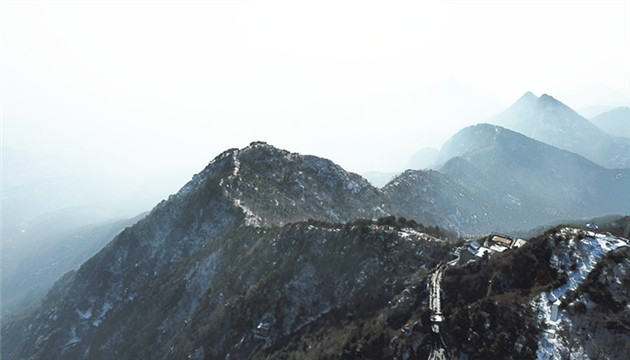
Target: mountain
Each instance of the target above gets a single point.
(41, 244)
(239, 295)
(267, 254)
(496, 179)
(275, 187)
(615, 122)
(524, 173)
(228, 265)
(550, 121)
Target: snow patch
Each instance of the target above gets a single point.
(104, 310)
(84, 314)
(74, 339)
(250, 218)
(354, 187)
(237, 165)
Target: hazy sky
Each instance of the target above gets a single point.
(152, 86)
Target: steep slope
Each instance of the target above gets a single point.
(242, 293)
(502, 307)
(550, 121)
(492, 308)
(93, 299)
(615, 122)
(52, 254)
(53, 219)
(496, 179)
(431, 197)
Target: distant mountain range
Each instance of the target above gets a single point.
(53, 219)
(34, 187)
(550, 121)
(521, 181)
(42, 256)
(423, 159)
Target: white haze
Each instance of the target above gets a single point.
(124, 91)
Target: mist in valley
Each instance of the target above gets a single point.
(468, 116)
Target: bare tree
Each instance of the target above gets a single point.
(598, 351)
(571, 340)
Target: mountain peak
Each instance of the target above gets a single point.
(528, 97)
(528, 100)
(471, 138)
(548, 100)
(274, 186)
(549, 120)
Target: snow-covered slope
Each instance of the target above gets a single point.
(562, 295)
(577, 260)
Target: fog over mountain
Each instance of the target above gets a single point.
(492, 178)
(314, 180)
(546, 119)
(615, 122)
(423, 159)
(591, 111)
(593, 94)
(32, 263)
(54, 217)
(266, 248)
